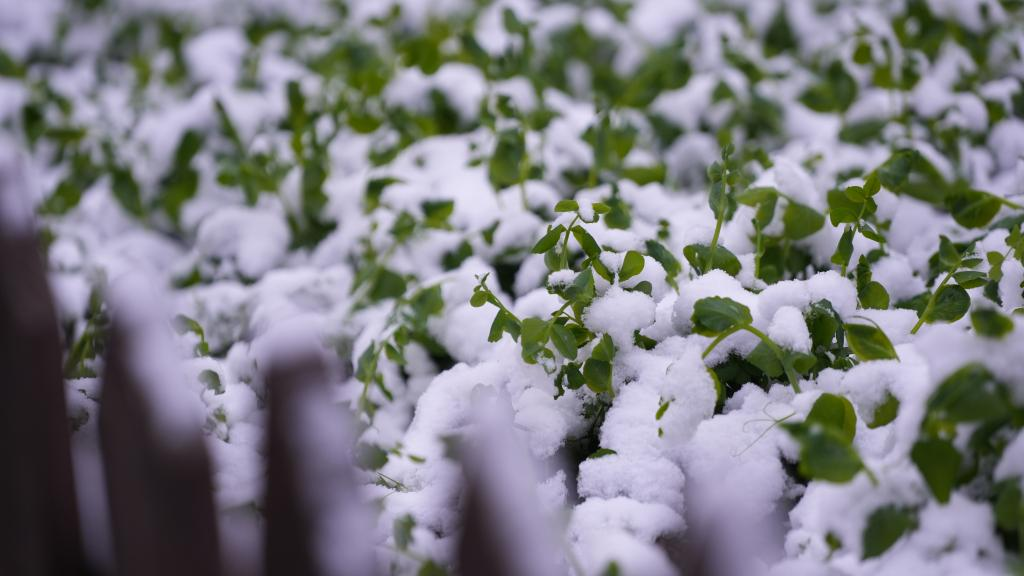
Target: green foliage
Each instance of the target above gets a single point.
(869, 342)
(886, 525)
(950, 302)
(836, 91)
(826, 441)
(991, 324)
(703, 259)
(183, 324)
(939, 463)
(721, 317)
(714, 315)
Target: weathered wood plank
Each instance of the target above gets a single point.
(503, 530)
(39, 526)
(316, 521)
(157, 468)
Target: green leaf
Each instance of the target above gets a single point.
(939, 463)
(66, 196)
(9, 67)
(844, 250)
(995, 264)
(868, 342)
(619, 215)
(533, 336)
(177, 191)
(718, 199)
(430, 568)
(366, 366)
(598, 374)
(370, 456)
(823, 323)
(972, 208)
(643, 286)
(387, 284)
(714, 315)
(874, 296)
(183, 324)
(894, 174)
(990, 323)
(968, 279)
(601, 269)
(126, 190)
(503, 322)
(632, 264)
(564, 341)
(604, 350)
(314, 174)
(478, 299)
(970, 394)
(800, 221)
(567, 206)
(697, 256)
(211, 380)
(765, 360)
(1009, 505)
(950, 305)
(863, 132)
(949, 256)
(402, 530)
(842, 209)
(504, 166)
(549, 240)
(437, 212)
(601, 453)
(825, 454)
(574, 378)
(755, 196)
(885, 527)
(586, 241)
(834, 93)
(835, 412)
(885, 412)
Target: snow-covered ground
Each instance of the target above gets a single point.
(748, 271)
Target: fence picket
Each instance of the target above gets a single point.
(39, 528)
(158, 487)
(316, 521)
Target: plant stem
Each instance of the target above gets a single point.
(719, 218)
(871, 475)
(790, 375)
(1009, 203)
(524, 172)
(931, 302)
(719, 339)
(564, 256)
(758, 249)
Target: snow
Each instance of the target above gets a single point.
(149, 360)
(246, 241)
(619, 313)
(693, 448)
(789, 330)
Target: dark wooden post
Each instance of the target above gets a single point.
(157, 468)
(316, 521)
(503, 530)
(39, 530)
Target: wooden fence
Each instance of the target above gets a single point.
(162, 518)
